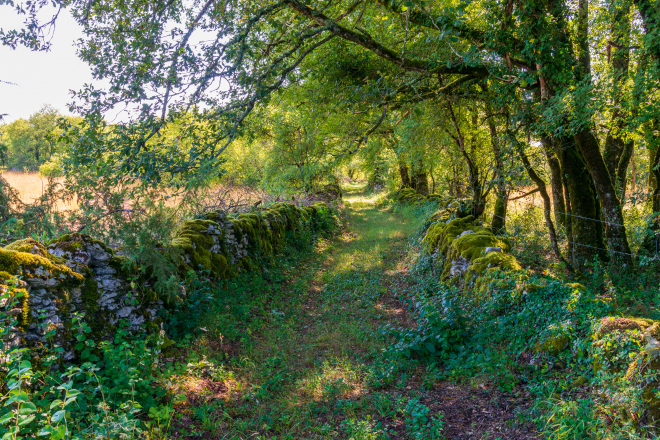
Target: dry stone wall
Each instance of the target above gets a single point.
(625, 350)
(76, 274)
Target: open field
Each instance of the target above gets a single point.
(227, 197)
(31, 186)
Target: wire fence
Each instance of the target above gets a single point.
(640, 256)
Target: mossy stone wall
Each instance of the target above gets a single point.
(77, 274)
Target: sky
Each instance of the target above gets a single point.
(40, 77)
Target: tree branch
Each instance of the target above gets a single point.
(386, 53)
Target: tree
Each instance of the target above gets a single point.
(535, 57)
(32, 142)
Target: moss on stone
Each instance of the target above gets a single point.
(263, 232)
(90, 294)
(495, 259)
(32, 265)
(75, 241)
(644, 372)
(330, 192)
(611, 323)
(473, 245)
(470, 245)
(28, 245)
(32, 246)
(577, 286)
(553, 344)
(196, 245)
(26, 316)
(440, 235)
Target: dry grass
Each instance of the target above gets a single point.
(231, 198)
(31, 186)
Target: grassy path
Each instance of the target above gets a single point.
(313, 367)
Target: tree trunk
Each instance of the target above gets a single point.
(633, 172)
(555, 181)
(584, 229)
(617, 150)
(622, 169)
(498, 224)
(611, 207)
(419, 179)
(405, 177)
(584, 56)
(652, 181)
(478, 199)
(651, 241)
(568, 218)
(540, 184)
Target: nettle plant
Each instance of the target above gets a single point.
(39, 396)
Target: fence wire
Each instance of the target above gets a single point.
(657, 237)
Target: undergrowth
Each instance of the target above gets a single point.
(541, 342)
(125, 387)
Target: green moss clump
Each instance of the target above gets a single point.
(554, 344)
(90, 295)
(72, 242)
(32, 265)
(473, 245)
(263, 232)
(32, 246)
(26, 316)
(440, 236)
(330, 192)
(577, 286)
(409, 196)
(441, 216)
(495, 259)
(197, 245)
(611, 323)
(644, 371)
(28, 245)
(458, 207)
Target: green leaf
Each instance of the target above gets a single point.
(523, 83)
(56, 402)
(59, 434)
(26, 420)
(27, 408)
(59, 415)
(46, 430)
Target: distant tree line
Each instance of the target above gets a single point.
(27, 144)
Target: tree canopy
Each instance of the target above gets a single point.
(503, 85)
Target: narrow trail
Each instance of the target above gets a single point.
(317, 370)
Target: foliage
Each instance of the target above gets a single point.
(29, 144)
(49, 399)
(441, 331)
(121, 380)
(535, 329)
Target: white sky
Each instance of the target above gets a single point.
(40, 77)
